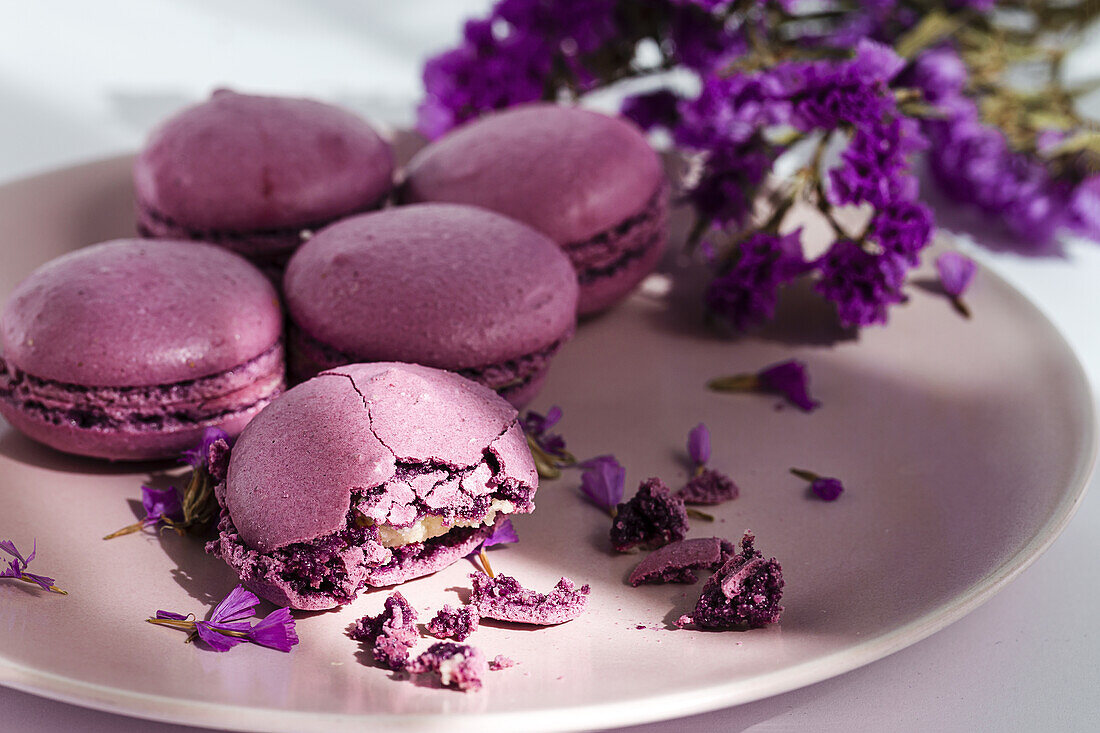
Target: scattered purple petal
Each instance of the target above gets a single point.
(171, 614)
(276, 631)
(602, 480)
(17, 568)
(161, 503)
(828, 489)
(743, 594)
(699, 444)
(709, 487)
(455, 623)
(653, 517)
(956, 272)
(218, 641)
(458, 665)
(239, 604)
(199, 456)
(503, 534)
(790, 380)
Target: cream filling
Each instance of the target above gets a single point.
(434, 526)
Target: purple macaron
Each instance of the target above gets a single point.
(130, 349)
(365, 476)
(257, 174)
(591, 182)
(447, 286)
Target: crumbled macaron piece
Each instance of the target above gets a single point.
(458, 665)
(454, 623)
(653, 517)
(709, 487)
(504, 599)
(500, 662)
(678, 561)
(743, 594)
(390, 634)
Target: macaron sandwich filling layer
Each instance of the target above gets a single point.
(420, 520)
(615, 249)
(188, 403)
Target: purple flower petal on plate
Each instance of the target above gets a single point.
(956, 271)
(603, 480)
(217, 641)
(276, 631)
(171, 615)
(239, 604)
(699, 444)
(828, 489)
(161, 503)
(198, 457)
(504, 534)
(789, 379)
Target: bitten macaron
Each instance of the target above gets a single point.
(447, 286)
(366, 476)
(589, 181)
(130, 349)
(256, 174)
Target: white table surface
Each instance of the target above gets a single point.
(82, 80)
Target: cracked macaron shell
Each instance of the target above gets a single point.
(568, 172)
(133, 313)
(437, 284)
(294, 467)
(242, 162)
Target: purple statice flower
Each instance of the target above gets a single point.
(956, 272)
(903, 228)
(791, 380)
(390, 634)
(825, 488)
(458, 665)
(161, 504)
(701, 40)
(503, 534)
(709, 487)
(939, 73)
(537, 427)
(207, 451)
(653, 109)
(653, 517)
(17, 567)
(229, 626)
(232, 615)
(602, 480)
(861, 285)
(743, 594)
(455, 623)
(521, 52)
(746, 294)
(698, 444)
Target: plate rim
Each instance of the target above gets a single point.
(670, 706)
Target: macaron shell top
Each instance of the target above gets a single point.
(137, 312)
(568, 172)
(294, 467)
(436, 284)
(239, 162)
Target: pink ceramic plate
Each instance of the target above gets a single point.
(964, 445)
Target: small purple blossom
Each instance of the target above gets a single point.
(956, 271)
(503, 534)
(17, 567)
(699, 444)
(200, 455)
(860, 284)
(790, 380)
(537, 427)
(824, 487)
(602, 480)
(161, 504)
(229, 626)
(746, 293)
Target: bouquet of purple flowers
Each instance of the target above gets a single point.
(841, 92)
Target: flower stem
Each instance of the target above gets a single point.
(960, 307)
(128, 529)
(485, 563)
(51, 589)
(696, 514)
(804, 474)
